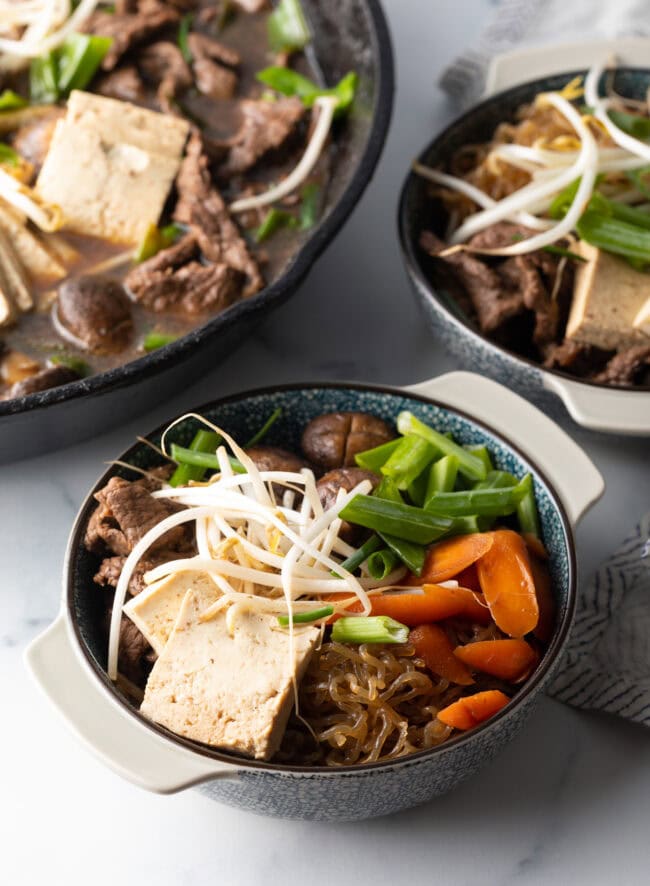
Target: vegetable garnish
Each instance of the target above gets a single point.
(309, 206)
(11, 101)
(302, 618)
(290, 82)
(287, 27)
(156, 239)
(183, 33)
(258, 436)
(55, 74)
(207, 460)
(401, 520)
(203, 441)
(75, 363)
(58, 22)
(471, 466)
(8, 156)
(373, 629)
(360, 556)
(154, 340)
(274, 220)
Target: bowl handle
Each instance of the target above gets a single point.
(603, 409)
(126, 746)
(575, 479)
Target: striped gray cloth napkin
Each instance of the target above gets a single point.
(518, 23)
(607, 666)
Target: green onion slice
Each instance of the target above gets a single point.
(290, 82)
(266, 427)
(302, 618)
(11, 101)
(287, 27)
(369, 629)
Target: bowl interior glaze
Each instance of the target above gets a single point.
(418, 211)
(242, 416)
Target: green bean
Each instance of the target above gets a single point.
(471, 466)
(404, 521)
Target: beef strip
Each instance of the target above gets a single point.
(193, 288)
(214, 80)
(265, 126)
(162, 64)
(32, 140)
(125, 513)
(522, 276)
(202, 208)
(626, 367)
(110, 569)
(123, 84)
(128, 29)
(204, 46)
(136, 655)
(168, 260)
(578, 359)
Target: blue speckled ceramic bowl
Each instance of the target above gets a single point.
(69, 659)
(599, 407)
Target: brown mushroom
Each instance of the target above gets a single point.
(95, 312)
(332, 440)
(344, 478)
(51, 377)
(273, 458)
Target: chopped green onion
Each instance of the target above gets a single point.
(471, 466)
(373, 459)
(404, 521)
(272, 222)
(154, 340)
(75, 363)
(290, 82)
(411, 554)
(156, 239)
(498, 502)
(614, 235)
(266, 427)
(369, 629)
(43, 80)
(413, 455)
(8, 156)
(636, 176)
(467, 525)
(382, 563)
(482, 453)
(527, 510)
(633, 124)
(497, 480)
(287, 27)
(201, 459)
(183, 33)
(203, 441)
(563, 253)
(388, 489)
(352, 563)
(417, 490)
(303, 618)
(442, 476)
(77, 61)
(11, 101)
(309, 206)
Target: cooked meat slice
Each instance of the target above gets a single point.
(578, 359)
(32, 140)
(136, 655)
(333, 440)
(265, 126)
(202, 208)
(51, 377)
(344, 478)
(214, 79)
(163, 64)
(123, 84)
(166, 260)
(273, 458)
(522, 277)
(110, 569)
(129, 29)
(627, 367)
(203, 46)
(193, 288)
(125, 513)
(96, 312)
(493, 303)
(233, 691)
(500, 234)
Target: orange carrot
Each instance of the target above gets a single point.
(434, 604)
(545, 600)
(471, 710)
(510, 660)
(468, 578)
(508, 585)
(432, 645)
(447, 558)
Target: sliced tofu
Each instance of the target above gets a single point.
(155, 610)
(42, 265)
(232, 692)
(110, 166)
(607, 296)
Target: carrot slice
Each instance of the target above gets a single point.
(510, 660)
(471, 710)
(447, 558)
(432, 645)
(545, 600)
(435, 603)
(508, 585)
(468, 578)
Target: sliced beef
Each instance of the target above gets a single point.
(48, 378)
(32, 140)
(204, 46)
(110, 569)
(202, 208)
(125, 513)
(192, 289)
(265, 126)
(577, 359)
(128, 29)
(168, 260)
(500, 234)
(627, 367)
(332, 440)
(162, 64)
(96, 312)
(136, 655)
(522, 277)
(213, 79)
(123, 84)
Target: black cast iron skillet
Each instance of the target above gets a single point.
(347, 35)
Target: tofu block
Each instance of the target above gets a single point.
(110, 166)
(232, 692)
(607, 296)
(155, 610)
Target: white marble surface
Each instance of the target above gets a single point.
(567, 803)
